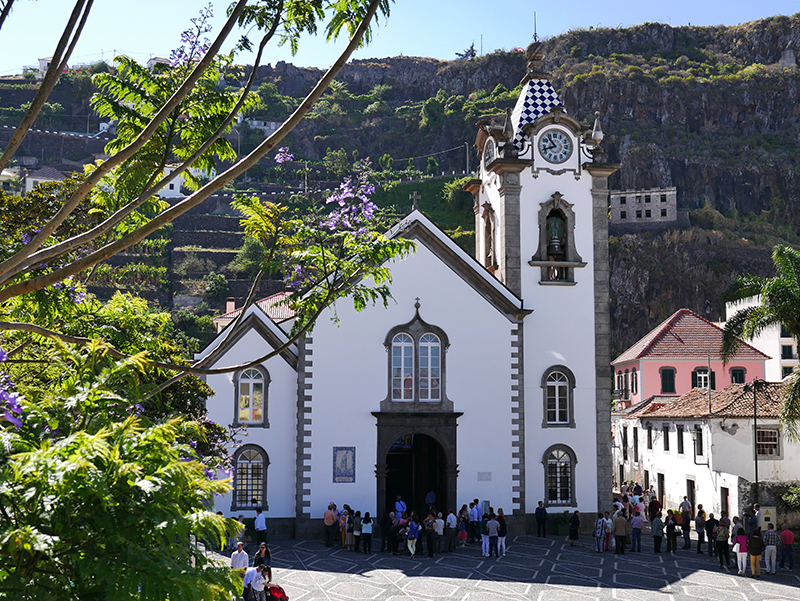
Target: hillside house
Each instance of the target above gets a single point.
(41, 176)
(680, 354)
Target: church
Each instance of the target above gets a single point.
(487, 377)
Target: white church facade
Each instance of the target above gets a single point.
(487, 377)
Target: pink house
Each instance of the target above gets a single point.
(675, 357)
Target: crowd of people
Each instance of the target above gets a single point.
(724, 538)
(405, 532)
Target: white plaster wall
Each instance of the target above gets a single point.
(350, 379)
(733, 452)
(561, 331)
(768, 341)
(279, 440)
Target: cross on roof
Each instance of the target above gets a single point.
(414, 197)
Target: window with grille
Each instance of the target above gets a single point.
(559, 477)
(767, 442)
(250, 482)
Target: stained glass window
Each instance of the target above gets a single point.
(251, 396)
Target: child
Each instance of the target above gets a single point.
(462, 531)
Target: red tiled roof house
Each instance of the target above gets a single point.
(674, 358)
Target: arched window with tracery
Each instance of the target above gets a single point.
(417, 366)
(250, 478)
(251, 386)
(402, 367)
(559, 465)
(558, 391)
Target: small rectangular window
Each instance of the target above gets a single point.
(767, 442)
(638, 214)
(786, 351)
(698, 442)
(623, 215)
(647, 198)
(649, 438)
(663, 212)
(638, 200)
(623, 200)
(663, 198)
(785, 332)
(666, 440)
(737, 375)
(647, 213)
(172, 186)
(668, 381)
(787, 371)
(625, 443)
(679, 433)
(636, 444)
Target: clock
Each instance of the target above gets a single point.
(555, 146)
(489, 152)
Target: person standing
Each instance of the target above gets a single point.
(483, 526)
(653, 508)
(329, 520)
(686, 522)
(412, 532)
(430, 533)
(740, 548)
(672, 534)
(755, 546)
(263, 557)
(474, 521)
(260, 526)
(609, 530)
(400, 506)
(439, 533)
(541, 520)
(574, 528)
(366, 533)
(771, 539)
(501, 534)
(599, 533)
(239, 558)
(386, 526)
(621, 531)
(657, 529)
(462, 530)
(636, 532)
(711, 524)
(700, 527)
(450, 531)
(493, 528)
(254, 584)
(344, 521)
(787, 549)
(357, 532)
(721, 542)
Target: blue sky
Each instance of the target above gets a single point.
(434, 28)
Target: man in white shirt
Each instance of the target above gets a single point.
(254, 584)
(450, 532)
(239, 558)
(260, 526)
(474, 520)
(439, 533)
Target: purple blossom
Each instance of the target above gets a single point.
(193, 443)
(136, 408)
(194, 44)
(3, 355)
(25, 238)
(10, 402)
(283, 155)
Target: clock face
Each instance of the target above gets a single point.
(488, 152)
(555, 146)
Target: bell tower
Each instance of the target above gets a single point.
(541, 228)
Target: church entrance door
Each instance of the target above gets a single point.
(415, 467)
(416, 454)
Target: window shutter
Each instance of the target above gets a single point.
(713, 381)
(694, 379)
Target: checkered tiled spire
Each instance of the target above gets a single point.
(538, 98)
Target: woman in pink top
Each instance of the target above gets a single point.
(741, 554)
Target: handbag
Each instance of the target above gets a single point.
(736, 548)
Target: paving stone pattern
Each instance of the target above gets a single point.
(537, 569)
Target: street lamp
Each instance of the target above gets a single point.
(748, 388)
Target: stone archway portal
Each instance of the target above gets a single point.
(436, 435)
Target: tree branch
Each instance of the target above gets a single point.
(48, 83)
(196, 198)
(127, 152)
(6, 12)
(76, 242)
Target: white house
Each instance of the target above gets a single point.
(774, 341)
(41, 176)
(701, 445)
(484, 378)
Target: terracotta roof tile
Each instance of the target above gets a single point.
(735, 400)
(685, 334)
(273, 306)
(48, 173)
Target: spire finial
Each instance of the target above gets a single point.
(416, 304)
(414, 197)
(535, 34)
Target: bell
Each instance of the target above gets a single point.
(554, 248)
